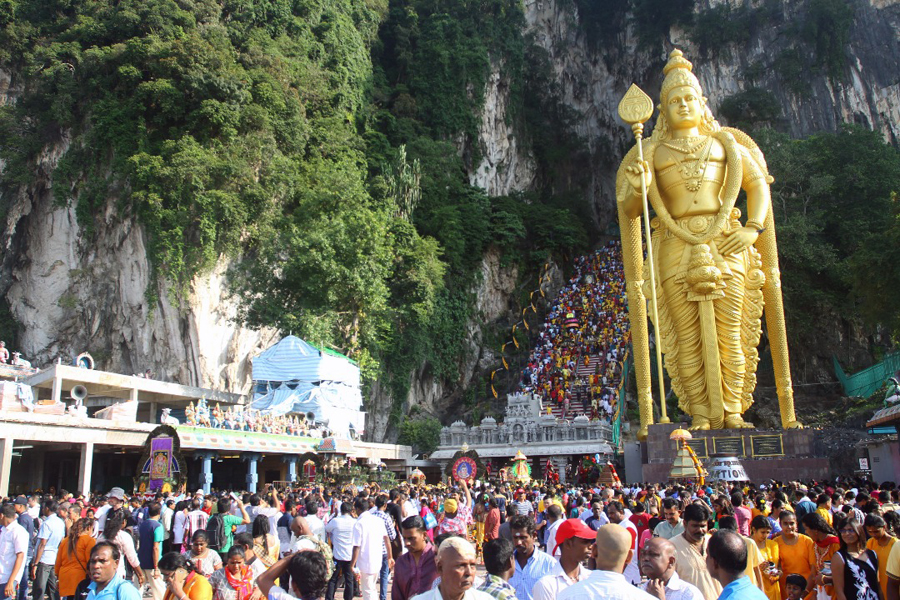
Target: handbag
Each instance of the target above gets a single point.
(430, 520)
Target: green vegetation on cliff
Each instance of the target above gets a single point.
(318, 141)
(837, 215)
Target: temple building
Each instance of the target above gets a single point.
(541, 434)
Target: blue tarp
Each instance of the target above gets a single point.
(335, 404)
(292, 359)
(293, 376)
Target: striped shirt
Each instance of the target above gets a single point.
(538, 565)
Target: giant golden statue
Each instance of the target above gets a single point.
(711, 274)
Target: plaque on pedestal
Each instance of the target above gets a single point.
(698, 445)
(767, 445)
(728, 446)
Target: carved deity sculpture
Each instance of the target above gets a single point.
(713, 274)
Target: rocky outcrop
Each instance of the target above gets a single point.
(505, 165)
(72, 293)
(493, 291)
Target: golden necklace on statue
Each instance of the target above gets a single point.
(691, 167)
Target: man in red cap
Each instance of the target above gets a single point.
(575, 541)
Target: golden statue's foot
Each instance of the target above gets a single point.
(736, 422)
(642, 434)
(794, 425)
(699, 424)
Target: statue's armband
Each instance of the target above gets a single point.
(752, 172)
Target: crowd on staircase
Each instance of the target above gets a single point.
(577, 361)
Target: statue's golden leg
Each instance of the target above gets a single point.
(731, 355)
(686, 320)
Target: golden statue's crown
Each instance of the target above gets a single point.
(678, 72)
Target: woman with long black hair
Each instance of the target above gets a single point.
(854, 567)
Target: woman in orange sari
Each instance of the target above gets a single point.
(797, 553)
(760, 528)
(183, 582)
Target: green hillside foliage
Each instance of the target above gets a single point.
(318, 141)
(836, 212)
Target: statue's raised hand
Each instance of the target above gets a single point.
(633, 174)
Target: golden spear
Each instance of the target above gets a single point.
(636, 108)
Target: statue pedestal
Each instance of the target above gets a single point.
(783, 455)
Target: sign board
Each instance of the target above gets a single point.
(698, 445)
(727, 468)
(728, 446)
(766, 445)
(864, 464)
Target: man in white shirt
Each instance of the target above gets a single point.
(574, 540)
(114, 499)
(13, 548)
(554, 519)
(612, 551)
(370, 539)
(51, 534)
(658, 565)
(456, 566)
(339, 532)
(316, 525)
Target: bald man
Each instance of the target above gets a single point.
(456, 566)
(658, 565)
(612, 551)
(300, 533)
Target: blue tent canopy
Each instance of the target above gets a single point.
(293, 359)
(294, 376)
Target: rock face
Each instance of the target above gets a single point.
(492, 293)
(505, 167)
(70, 294)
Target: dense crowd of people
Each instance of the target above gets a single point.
(588, 319)
(831, 540)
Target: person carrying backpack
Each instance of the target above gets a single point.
(220, 527)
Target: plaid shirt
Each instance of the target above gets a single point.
(497, 588)
(388, 522)
(458, 524)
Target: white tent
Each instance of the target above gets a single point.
(294, 376)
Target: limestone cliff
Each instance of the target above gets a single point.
(70, 294)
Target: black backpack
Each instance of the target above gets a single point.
(215, 530)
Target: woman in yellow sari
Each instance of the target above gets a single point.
(760, 528)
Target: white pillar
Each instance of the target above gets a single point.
(85, 467)
(6, 450)
(153, 409)
(57, 389)
(134, 395)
